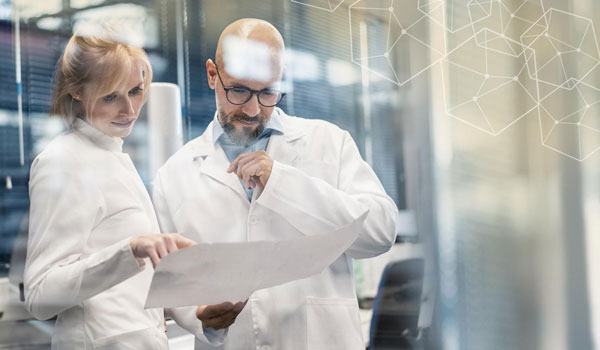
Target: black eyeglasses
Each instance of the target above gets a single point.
(238, 95)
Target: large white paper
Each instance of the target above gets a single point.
(207, 274)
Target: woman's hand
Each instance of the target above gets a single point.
(157, 246)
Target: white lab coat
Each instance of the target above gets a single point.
(87, 201)
(318, 183)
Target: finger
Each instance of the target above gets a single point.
(266, 166)
(212, 311)
(244, 159)
(234, 164)
(248, 170)
(243, 164)
(230, 317)
(244, 174)
(170, 243)
(252, 175)
(226, 316)
(232, 320)
(252, 183)
(229, 320)
(161, 249)
(221, 322)
(153, 257)
(183, 242)
(261, 177)
(200, 311)
(215, 325)
(239, 307)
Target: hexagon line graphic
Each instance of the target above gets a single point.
(472, 102)
(551, 68)
(400, 31)
(437, 10)
(549, 62)
(325, 5)
(505, 21)
(578, 129)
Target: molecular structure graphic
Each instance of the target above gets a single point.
(513, 58)
(327, 5)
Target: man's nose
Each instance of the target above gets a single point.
(252, 107)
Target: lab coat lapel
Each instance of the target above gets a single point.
(287, 148)
(215, 166)
(215, 163)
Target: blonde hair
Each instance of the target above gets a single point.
(93, 59)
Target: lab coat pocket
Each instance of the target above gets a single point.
(332, 324)
(147, 338)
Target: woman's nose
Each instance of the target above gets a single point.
(127, 107)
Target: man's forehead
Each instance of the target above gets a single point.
(247, 59)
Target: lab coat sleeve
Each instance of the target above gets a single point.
(186, 318)
(64, 207)
(314, 205)
(183, 316)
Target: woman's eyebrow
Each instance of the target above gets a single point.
(140, 84)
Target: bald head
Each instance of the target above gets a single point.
(247, 77)
(250, 42)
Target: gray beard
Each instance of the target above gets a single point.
(243, 138)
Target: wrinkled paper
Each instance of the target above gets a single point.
(212, 273)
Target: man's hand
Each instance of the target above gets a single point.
(253, 168)
(157, 246)
(220, 315)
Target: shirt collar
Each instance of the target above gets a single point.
(274, 124)
(109, 143)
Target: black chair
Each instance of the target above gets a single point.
(18, 256)
(395, 321)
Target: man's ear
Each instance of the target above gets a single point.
(211, 74)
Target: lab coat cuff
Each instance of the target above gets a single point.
(215, 337)
(308, 203)
(141, 263)
(276, 197)
(272, 184)
(186, 318)
(129, 260)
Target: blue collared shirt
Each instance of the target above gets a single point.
(232, 151)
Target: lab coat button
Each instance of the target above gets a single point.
(252, 220)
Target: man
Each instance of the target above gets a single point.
(258, 174)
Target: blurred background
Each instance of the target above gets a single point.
(480, 117)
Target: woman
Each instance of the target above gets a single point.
(90, 213)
